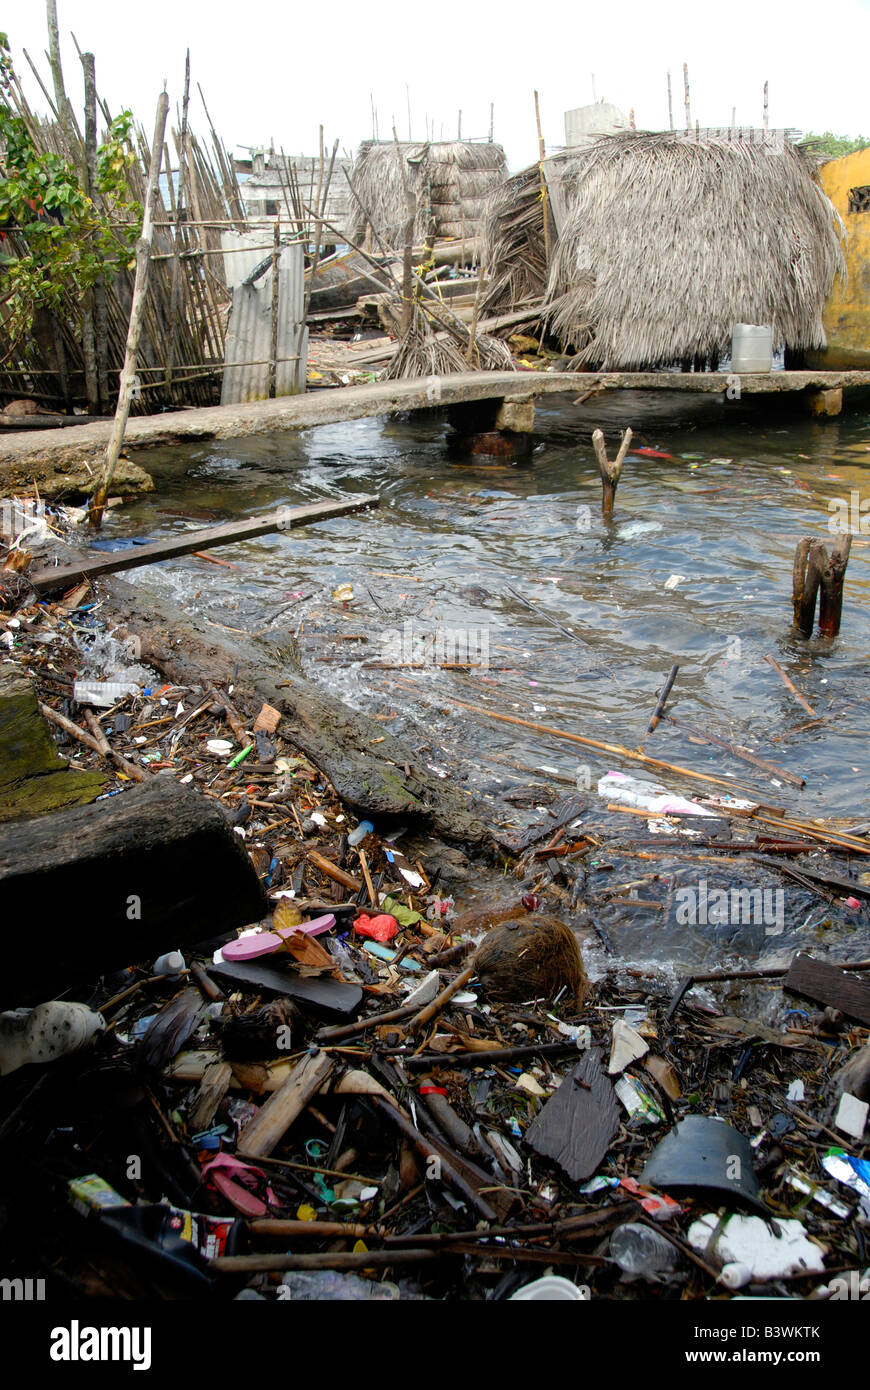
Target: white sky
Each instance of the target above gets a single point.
(279, 70)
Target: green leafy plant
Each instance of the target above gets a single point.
(56, 241)
(829, 146)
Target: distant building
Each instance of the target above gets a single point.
(267, 180)
(586, 123)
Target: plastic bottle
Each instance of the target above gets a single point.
(171, 963)
(640, 1251)
(40, 1035)
(357, 836)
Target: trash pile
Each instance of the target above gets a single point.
(368, 1085)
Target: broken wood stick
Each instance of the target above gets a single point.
(610, 472)
(663, 699)
(137, 774)
(332, 871)
(738, 751)
(789, 683)
(430, 1011)
(329, 1259)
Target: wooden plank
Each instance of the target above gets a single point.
(827, 984)
(284, 519)
(579, 1121)
(270, 1124)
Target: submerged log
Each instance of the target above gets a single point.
(101, 887)
(392, 781)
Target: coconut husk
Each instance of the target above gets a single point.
(531, 957)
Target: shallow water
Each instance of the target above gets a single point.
(452, 539)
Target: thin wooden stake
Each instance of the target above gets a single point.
(686, 92)
(544, 201)
(137, 312)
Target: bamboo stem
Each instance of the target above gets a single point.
(143, 251)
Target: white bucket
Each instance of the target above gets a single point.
(751, 348)
(552, 1289)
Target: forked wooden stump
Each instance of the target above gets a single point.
(610, 472)
(816, 574)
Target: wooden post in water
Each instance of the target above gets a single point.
(816, 573)
(610, 472)
(137, 312)
(833, 576)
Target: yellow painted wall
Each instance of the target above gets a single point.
(847, 312)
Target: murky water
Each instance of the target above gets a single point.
(695, 569)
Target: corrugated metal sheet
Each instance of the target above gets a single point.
(249, 333)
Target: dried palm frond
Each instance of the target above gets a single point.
(513, 244)
(423, 352)
(668, 242)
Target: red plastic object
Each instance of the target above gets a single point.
(652, 453)
(381, 928)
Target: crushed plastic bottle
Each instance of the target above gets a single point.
(641, 1252)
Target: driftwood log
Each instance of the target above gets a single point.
(101, 887)
(391, 782)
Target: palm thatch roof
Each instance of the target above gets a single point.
(512, 255)
(451, 181)
(664, 243)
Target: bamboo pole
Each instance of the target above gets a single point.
(542, 155)
(140, 289)
(686, 94)
(670, 105)
(616, 749)
(99, 290)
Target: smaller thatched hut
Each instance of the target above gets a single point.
(451, 181)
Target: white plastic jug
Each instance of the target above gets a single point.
(751, 348)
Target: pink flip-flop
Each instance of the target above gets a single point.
(265, 943)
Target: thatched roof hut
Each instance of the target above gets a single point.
(665, 242)
(451, 181)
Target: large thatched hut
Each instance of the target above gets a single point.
(660, 243)
(451, 181)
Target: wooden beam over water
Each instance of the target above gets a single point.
(203, 538)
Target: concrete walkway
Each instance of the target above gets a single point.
(59, 449)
